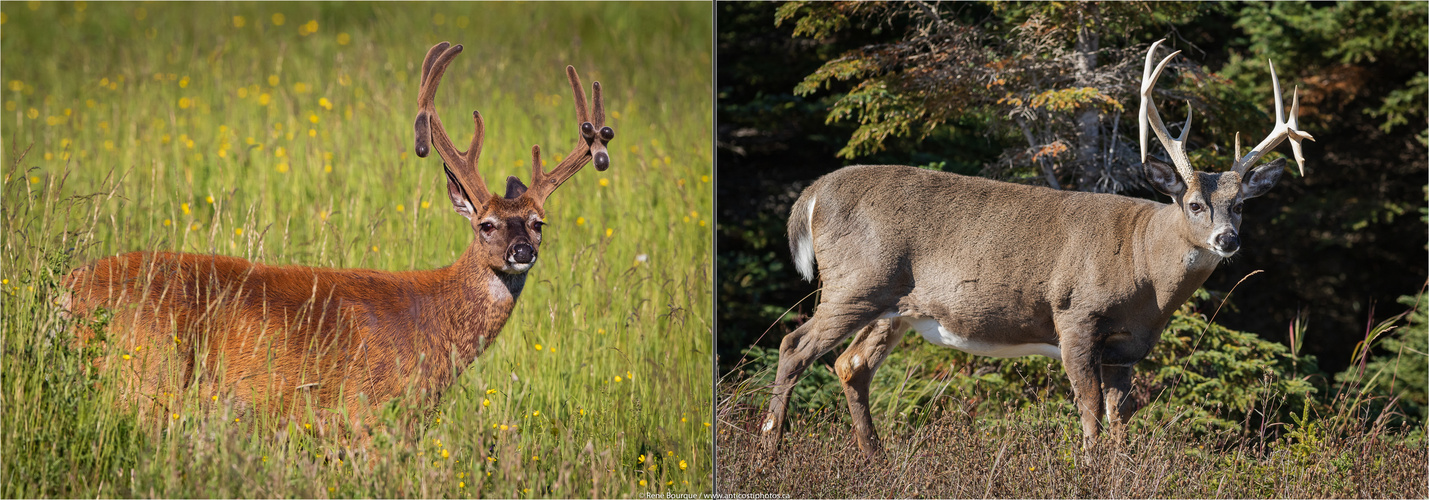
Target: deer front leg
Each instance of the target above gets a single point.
(1082, 359)
(1116, 387)
(856, 367)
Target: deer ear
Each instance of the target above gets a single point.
(1261, 179)
(1164, 178)
(460, 201)
(514, 188)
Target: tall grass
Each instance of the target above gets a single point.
(282, 133)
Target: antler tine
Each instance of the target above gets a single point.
(590, 145)
(579, 92)
(429, 126)
(431, 58)
(1285, 128)
(1175, 148)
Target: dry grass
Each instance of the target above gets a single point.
(1032, 455)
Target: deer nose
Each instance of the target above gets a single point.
(523, 253)
(1227, 241)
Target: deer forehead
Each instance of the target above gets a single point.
(1219, 187)
(522, 207)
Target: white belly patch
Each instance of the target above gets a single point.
(932, 331)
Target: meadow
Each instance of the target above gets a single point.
(282, 133)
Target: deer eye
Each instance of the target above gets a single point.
(487, 227)
(1237, 208)
(1196, 208)
(538, 225)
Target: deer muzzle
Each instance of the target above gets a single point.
(1225, 242)
(521, 254)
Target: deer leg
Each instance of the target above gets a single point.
(830, 326)
(856, 367)
(1116, 388)
(1081, 357)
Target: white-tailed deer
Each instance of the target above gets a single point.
(1005, 270)
(337, 342)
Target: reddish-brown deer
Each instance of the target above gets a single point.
(331, 344)
(1006, 270)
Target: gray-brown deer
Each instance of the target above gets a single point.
(1005, 270)
(339, 343)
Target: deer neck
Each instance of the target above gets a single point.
(1171, 260)
(473, 303)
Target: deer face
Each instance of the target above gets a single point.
(1212, 202)
(507, 229)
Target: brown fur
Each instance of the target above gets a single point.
(276, 339)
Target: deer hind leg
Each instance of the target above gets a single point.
(833, 323)
(856, 367)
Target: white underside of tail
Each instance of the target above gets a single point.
(804, 247)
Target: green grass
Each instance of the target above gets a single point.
(215, 128)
